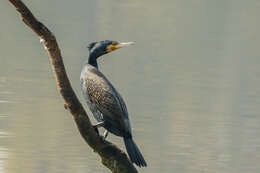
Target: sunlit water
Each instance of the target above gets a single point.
(191, 84)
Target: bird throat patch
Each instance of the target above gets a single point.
(112, 47)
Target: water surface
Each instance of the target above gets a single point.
(191, 84)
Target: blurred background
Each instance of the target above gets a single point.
(191, 84)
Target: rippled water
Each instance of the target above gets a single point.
(191, 84)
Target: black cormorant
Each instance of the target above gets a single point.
(105, 102)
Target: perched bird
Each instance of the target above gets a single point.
(105, 102)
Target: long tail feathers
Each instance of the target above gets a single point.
(134, 153)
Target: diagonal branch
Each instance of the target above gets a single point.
(112, 157)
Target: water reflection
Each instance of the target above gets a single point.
(191, 84)
(3, 159)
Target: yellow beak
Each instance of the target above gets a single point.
(119, 45)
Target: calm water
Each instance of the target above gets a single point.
(191, 84)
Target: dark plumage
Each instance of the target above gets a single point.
(105, 102)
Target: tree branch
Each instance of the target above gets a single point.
(112, 157)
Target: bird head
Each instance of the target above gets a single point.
(106, 46)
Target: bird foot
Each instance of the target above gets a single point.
(99, 124)
(96, 129)
(105, 134)
(96, 126)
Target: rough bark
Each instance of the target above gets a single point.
(112, 157)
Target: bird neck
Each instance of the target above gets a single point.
(92, 59)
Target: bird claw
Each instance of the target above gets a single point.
(105, 134)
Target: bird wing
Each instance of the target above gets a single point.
(106, 99)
